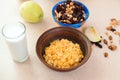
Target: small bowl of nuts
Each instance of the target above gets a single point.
(70, 13)
(63, 48)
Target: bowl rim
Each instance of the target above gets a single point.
(64, 24)
(85, 59)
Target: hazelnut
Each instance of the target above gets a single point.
(112, 47)
(105, 41)
(105, 54)
(114, 22)
(117, 33)
(110, 37)
(67, 21)
(109, 28)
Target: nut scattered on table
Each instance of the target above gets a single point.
(117, 33)
(105, 41)
(112, 47)
(112, 27)
(114, 22)
(109, 27)
(106, 54)
(110, 37)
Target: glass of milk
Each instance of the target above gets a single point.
(15, 36)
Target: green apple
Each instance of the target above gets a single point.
(31, 12)
(92, 34)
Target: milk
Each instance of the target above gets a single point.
(15, 37)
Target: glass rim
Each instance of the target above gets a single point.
(16, 36)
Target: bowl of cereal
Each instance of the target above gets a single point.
(63, 48)
(70, 13)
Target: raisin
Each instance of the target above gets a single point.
(113, 30)
(68, 1)
(62, 12)
(64, 17)
(60, 18)
(98, 45)
(58, 9)
(70, 8)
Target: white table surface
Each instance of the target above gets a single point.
(96, 68)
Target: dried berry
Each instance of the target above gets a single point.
(68, 1)
(59, 8)
(113, 30)
(98, 45)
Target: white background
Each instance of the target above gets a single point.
(96, 68)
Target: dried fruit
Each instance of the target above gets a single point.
(113, 30)
(70, 12)
(110, 28)
(98, 44)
